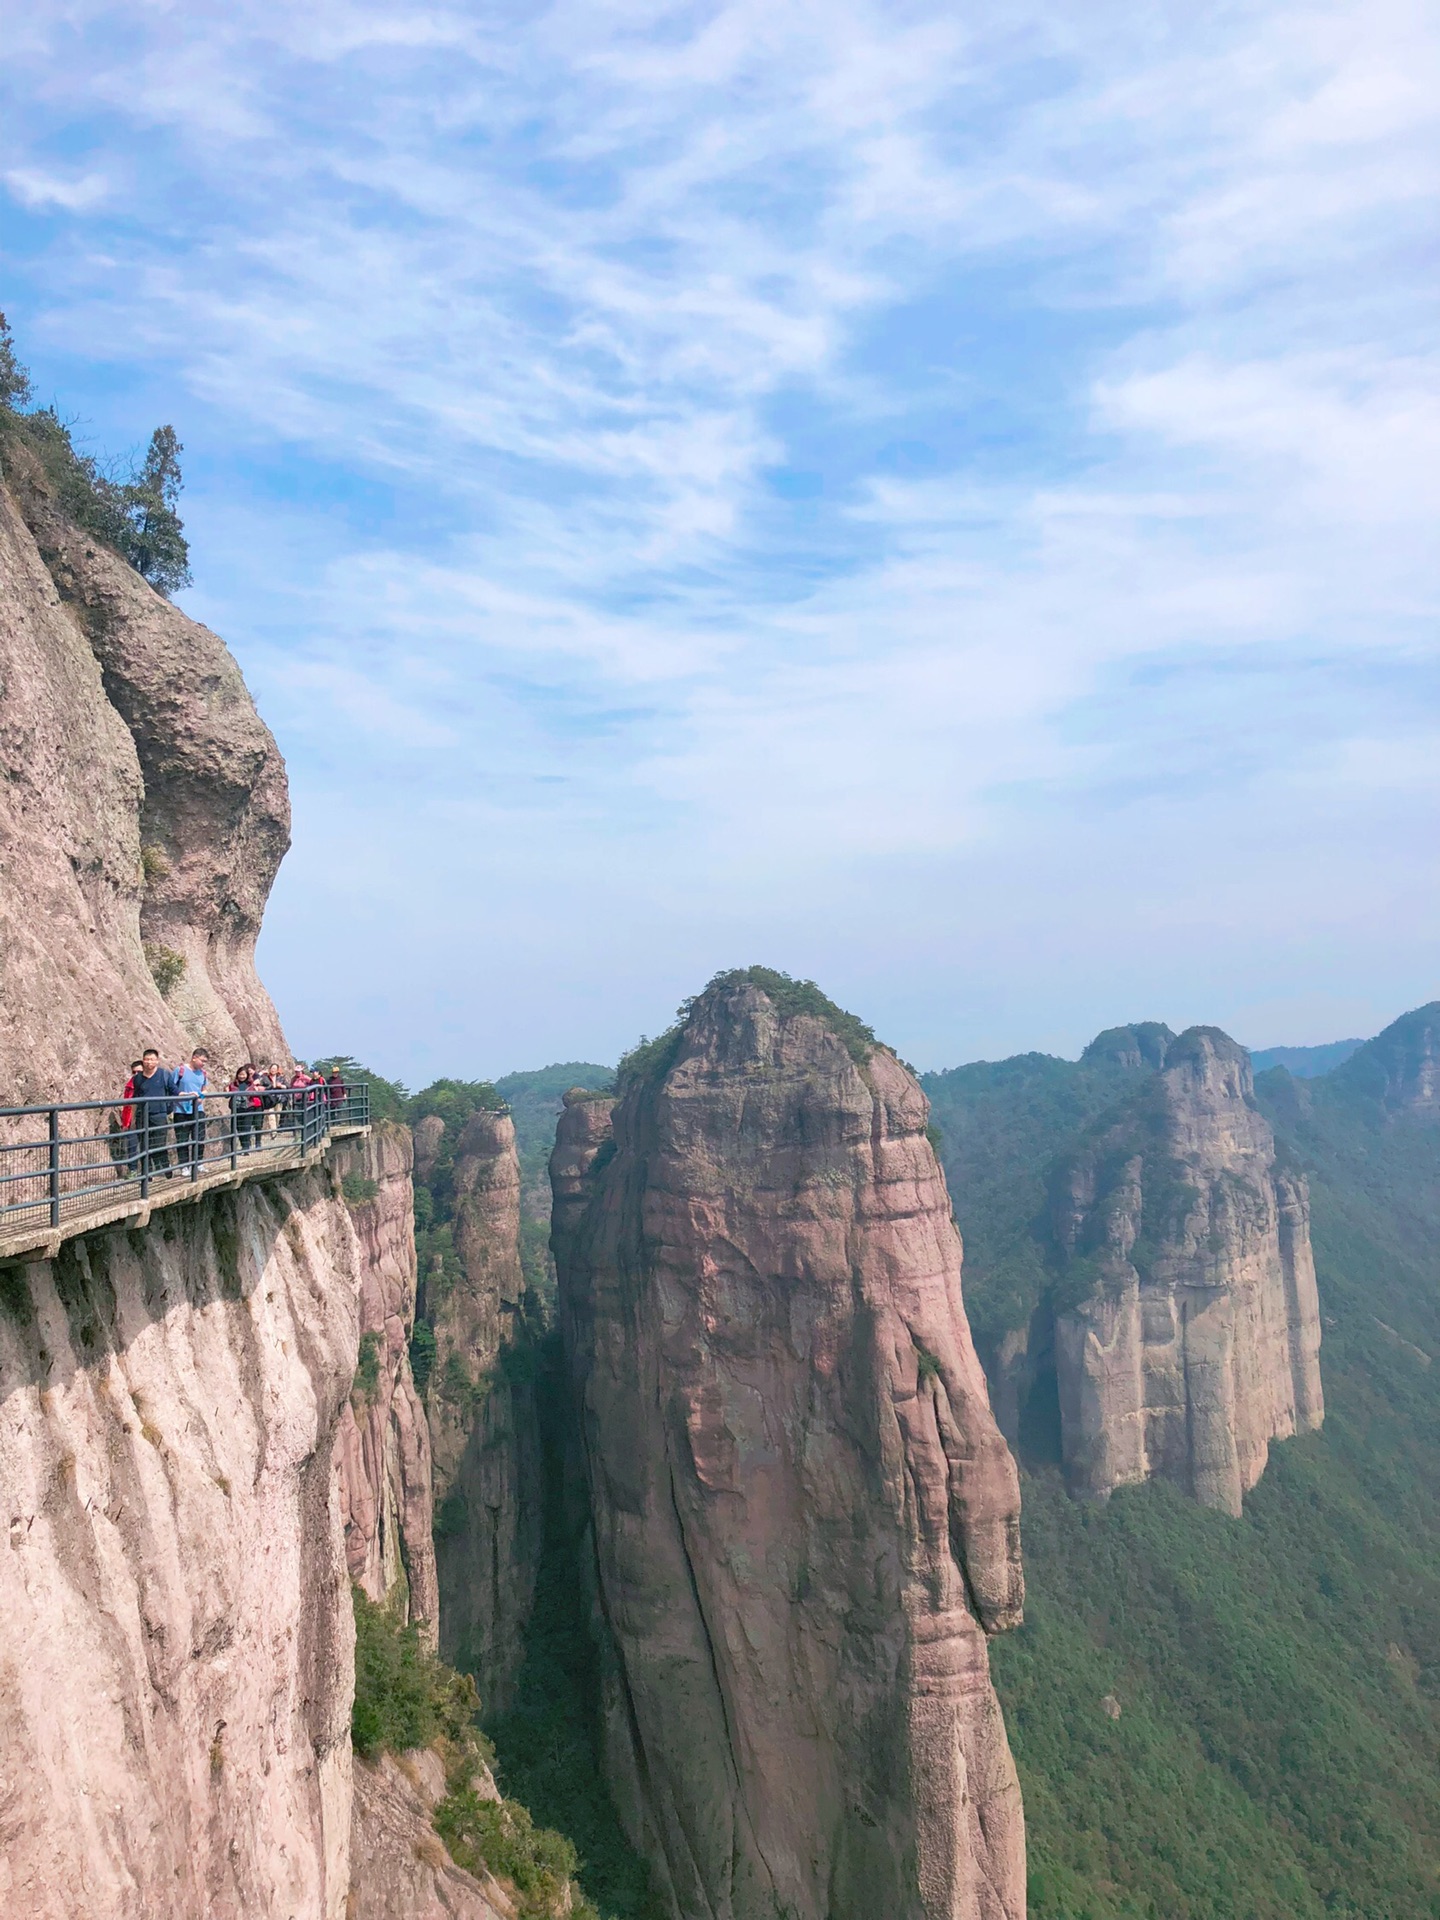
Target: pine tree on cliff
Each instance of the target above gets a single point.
(157, 547)
(137, 516)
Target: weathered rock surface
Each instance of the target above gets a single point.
(399, 1866)
(144, 802)
(482, 1418)
(176, 1665)
(383, 1446)
(805, 1519)
(1192, 1334)
(429, 1132)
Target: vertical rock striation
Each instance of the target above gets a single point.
(482, 1417)
(1187, 1329)
(176, 1667)
(383, 1446)
(805, 1520)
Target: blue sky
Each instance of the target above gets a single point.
(944, 506)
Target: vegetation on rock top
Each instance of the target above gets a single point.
(651, 1060)
(134, 512)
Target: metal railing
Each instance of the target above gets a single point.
(56, 1161)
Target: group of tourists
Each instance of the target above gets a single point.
(157, 1097)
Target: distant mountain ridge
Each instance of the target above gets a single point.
(1306, 1063)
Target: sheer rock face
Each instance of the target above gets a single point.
(1196, 1340)
(383, 1447)
(176, 1666)
(482, 1418)
(805, 1519)
(124, 726)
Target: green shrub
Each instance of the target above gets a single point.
(396, 1690)
(167, 967)
(367, 1373)
(422, 1354)
(451, 1516)
(134, 513)
(500, 1835)
(358, 1190)
(387, 1097)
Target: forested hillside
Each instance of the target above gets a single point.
(1220, 1719)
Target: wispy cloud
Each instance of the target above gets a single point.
(739, 475)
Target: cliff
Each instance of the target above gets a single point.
(383, 1446)
(482, 1414)
(805, 1521)
(176, 1667)
(1187, 1324)
(143, 815)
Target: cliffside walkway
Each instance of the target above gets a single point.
(68, 1169)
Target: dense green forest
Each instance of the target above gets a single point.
(1220, 1719)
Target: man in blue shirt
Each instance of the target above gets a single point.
(151, 1090)
(190, 1082)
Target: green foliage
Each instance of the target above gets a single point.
(1277, 1751)
(388, 1098)
(367, 1371)
(454, 1101)
(167, 967)
(154, 864)
(14, 379)
(405, 1697)
(791, 997)
(357, 1189)
(422, 1354)
(927, 1366)
(134, 513)
(451, 1516)
(501, 1835)
(549, 1743)
(157, 547)
(651, 1060)
(534, 1099)
(1003, 1124)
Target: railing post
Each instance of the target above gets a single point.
(235, 1136)
(54, 1166)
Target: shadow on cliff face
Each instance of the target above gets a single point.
(113, 1286)
(548, 1745)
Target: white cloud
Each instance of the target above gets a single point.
(568, 286)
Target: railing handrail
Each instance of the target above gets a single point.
(211, 1127)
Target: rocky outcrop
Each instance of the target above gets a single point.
(143, 808)
(429, 1132)
(383, 1447)
(805, 1521)
(399, 1865)
(1187, 1334)
(482, 1417)
(1399, 1070)
(176, 1666)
